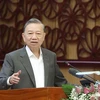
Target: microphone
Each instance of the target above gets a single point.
(88, 79)
(77, 70)
(74, 71)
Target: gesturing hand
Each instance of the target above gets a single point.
(14, 79)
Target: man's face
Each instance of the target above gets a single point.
(34, 35)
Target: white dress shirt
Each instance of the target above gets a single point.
(37, 66)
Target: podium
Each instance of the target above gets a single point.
(49, 93)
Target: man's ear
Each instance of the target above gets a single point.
(23, 36)
(44, 35)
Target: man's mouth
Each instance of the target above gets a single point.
(34, 42)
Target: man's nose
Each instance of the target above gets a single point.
(34, 35)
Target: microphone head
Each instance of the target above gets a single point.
(74, 71)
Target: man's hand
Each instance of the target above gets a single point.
(14, 79)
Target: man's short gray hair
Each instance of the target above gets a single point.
(33, 20)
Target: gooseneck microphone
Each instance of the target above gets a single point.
(74, 71)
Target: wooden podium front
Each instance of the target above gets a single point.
(52, 93)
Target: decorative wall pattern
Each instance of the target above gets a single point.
(67, 22)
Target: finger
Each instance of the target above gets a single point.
(14, 81)
(16, 78)
(18, 73)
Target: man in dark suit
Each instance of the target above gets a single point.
(31, 66)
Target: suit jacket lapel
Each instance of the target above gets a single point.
(27, 65)
(46, 66)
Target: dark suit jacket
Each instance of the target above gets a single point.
(18, 60)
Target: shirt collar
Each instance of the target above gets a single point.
(30, 53)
